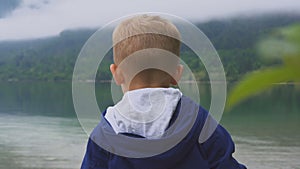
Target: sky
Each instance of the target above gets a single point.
(42, 18)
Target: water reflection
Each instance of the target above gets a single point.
(40, 142)
(39, 129)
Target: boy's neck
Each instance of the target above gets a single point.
(136, 86)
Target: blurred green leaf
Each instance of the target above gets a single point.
(259, 81)
(276, 49)
(285, 46)
(292, 33)
(285, 42)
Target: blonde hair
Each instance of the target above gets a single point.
(142, 32)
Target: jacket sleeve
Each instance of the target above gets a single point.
(219, 149)
(95, 157)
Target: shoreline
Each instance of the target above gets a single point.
(111, 81)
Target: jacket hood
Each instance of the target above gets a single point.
(166, 152)
(145, 112)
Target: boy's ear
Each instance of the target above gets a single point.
(177, 75)
(119, 79)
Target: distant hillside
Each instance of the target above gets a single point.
(236, 39)
(52, 59)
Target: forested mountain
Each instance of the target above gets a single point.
(53, 58)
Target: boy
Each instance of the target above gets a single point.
(151, 111)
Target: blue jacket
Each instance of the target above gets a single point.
(214, 153)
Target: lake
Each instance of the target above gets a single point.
(39, 128)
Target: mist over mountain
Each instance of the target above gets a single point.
(53, 58)
(6, 6)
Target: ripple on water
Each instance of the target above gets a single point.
(40, 142)
(266, 153)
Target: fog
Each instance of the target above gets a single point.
(40, 18)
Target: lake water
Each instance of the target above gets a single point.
(39, 128)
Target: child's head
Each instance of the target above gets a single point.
(140, 33)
